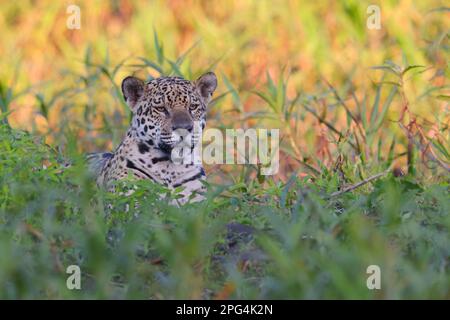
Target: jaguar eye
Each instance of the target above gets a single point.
(160, 108)
(193, 107)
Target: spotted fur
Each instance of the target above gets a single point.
(159, 108)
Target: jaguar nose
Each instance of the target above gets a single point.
(182, 120)
(185, 125)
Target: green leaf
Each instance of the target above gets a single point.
(390, 156)
(386, 68)
(152, 65)
(158, 47)
(442, 149)
(443, 97)
(384, 110)
(375, 106)
(364, 114)
(175, 69)
(411, 68)
(267, 99)
(271, 85)
(236, 100)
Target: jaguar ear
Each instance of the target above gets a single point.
(206, 85)
(132, 90)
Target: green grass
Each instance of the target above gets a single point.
(305, 244)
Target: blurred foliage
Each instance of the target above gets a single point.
(305, 67)
(350, 102)
(304, 244)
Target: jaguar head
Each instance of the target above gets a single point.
(168, 110)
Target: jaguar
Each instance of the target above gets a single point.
(166, 112)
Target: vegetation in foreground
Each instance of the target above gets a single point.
(299, 241)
